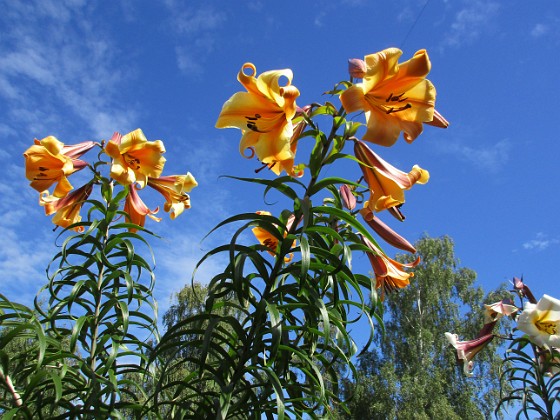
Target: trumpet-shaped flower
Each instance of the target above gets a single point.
(495, 311)
(264, 115)
(466, 350)
(389, 274)
(541, 322)
(268, 239)
(135, 159)
(386, 183)
(394, 97)
(66, 210)
(136, 210)
(49, 161)
(174, 188)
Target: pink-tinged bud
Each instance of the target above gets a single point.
(523, 290)
(388, 234)
(438, 121)
(348, 199)
(357, 68)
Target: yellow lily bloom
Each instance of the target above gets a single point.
(386, 183)
(136, 210)
(67, 209)
(394, 97)
(48, 162)
(264, 115)
(389, 274)
(174, 188)
(135, 159)
(267, 239)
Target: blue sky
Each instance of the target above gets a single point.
(80, 70)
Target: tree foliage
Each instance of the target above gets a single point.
(412, 374)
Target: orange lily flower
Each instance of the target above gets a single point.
(67, 209)
(49, 161)
(136, 210)
(386, 183)
(394, 97)
(389, 274)
(264, 115)
(135, 158)
(174, 188)
(267, 239)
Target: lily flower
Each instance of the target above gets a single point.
(66, 210)
(174, 188)
(495, 311)
(270, 241)
(394, 97)
(264, 115)
(136, 210)
(388, 234)
(135, 159)
(49, 161)
(541, 322)
(386, 183)
(466, 350)
(389, 274)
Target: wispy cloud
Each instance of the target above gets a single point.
(197, 28)
(470, 22)
(73, 67)
(540, 242)
(540, 29)
(491, 158)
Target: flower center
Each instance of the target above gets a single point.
(270, 244)
(131, 161)
(43, 174)
(548, 327)
(252, 123)
(397, 99)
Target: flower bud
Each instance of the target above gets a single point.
(348, 199)
(357, 68)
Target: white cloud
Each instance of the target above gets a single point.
(491, 158)
(470, 22)
(197, 29)
(72, 69)
(194, 21)
(541, 242)
(539, 30)
(188, 62)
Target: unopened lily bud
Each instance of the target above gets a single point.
(523, 290)
(348, 199)
(357, 68)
